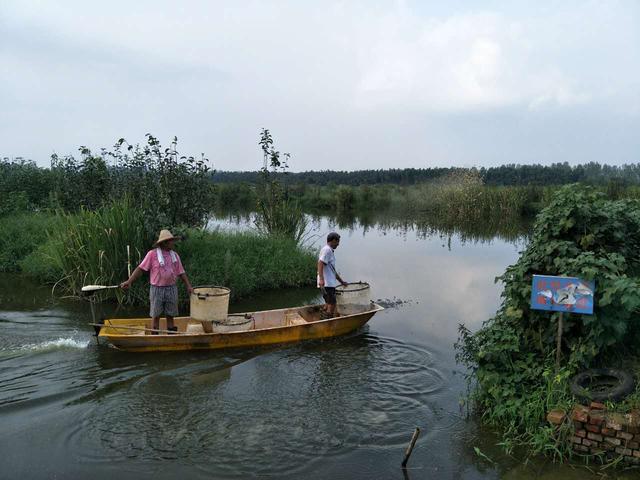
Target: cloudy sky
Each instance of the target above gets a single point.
(342, 85)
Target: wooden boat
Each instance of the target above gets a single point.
(261, 328)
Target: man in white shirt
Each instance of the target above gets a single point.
(328, 277)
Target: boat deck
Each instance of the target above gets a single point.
(242, 330)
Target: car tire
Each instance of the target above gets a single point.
(614, 385)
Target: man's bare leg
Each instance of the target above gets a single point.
(331, 310)
(155, 325)
(169, 322)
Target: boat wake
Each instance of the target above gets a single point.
(58, 344)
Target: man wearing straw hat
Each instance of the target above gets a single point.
(164, 267)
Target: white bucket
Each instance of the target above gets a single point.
(354, 294)
(209, 303)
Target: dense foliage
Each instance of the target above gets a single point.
(512, 174)
(169, 189)
(23, 186)
(510, 359)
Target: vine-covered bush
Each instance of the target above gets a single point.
(511, 358)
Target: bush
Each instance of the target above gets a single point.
(169, 189)
(23, 186)
(510, 359)
(21, 235)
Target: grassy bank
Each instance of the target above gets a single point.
(71, 250)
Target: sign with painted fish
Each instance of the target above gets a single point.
(562, 294)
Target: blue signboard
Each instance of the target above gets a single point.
(562, 294)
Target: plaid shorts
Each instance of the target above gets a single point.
(163, 300)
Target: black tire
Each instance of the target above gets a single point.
(602, 384)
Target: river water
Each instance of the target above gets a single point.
(339, 408)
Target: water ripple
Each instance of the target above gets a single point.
(276, 413)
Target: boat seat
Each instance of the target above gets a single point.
(194, 328)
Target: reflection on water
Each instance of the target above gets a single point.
(339, 408)
(424, 226)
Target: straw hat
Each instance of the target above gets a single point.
(164, 236)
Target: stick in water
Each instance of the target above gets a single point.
(412, 444)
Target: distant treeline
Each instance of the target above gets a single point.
(508, 175)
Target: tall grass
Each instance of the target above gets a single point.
(91, 248)
(280, 219)
(246, 262)
(463, 197)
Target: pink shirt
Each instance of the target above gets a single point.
(162, 276)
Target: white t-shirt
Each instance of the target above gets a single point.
(329, 269)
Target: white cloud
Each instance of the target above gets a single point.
(464, 62)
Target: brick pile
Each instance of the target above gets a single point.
(598, 432)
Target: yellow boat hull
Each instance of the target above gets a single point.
(268, 328)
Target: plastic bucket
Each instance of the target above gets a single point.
(209, 303)
(358, 293)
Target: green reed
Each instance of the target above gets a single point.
(90, 247)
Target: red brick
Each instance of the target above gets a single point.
(633, 460)
(612, 441)
(596, 418)
(610, 432)
(581, 448)
(597, 406)
(592, 428)
(615, 421)
(633, 445)
(596, 437)
(577, 440)
(577, 425)
(581, 433)
(625, 435)
(580, 414)
(636, 453)
(556, 417)
(588, 443)
(597, 451)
